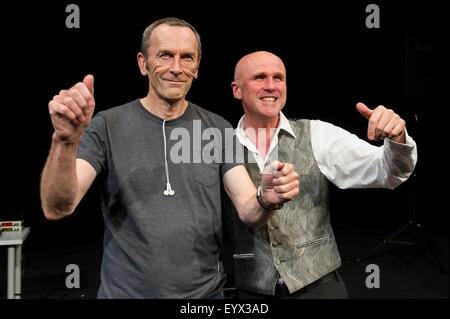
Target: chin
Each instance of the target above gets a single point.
(271, 116)
(272, 112)
(175, 95)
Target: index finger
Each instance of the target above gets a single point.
(373, 122)
(287, 169)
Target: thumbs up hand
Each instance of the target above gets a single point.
(383, 123)
(71, 111)
(279, 183)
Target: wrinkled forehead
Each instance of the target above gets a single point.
(173, 38)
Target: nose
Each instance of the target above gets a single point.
(176, 67)
(269, 84)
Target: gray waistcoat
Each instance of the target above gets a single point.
(298, 242)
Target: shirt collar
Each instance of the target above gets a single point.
(285, 125)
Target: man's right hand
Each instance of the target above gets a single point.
(71, 111)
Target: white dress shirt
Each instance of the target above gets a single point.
(346, 160)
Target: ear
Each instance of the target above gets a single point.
(236, 90)
(142, 62)
(196, 71)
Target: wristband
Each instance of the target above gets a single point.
(260, 201)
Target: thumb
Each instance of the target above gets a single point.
(89, 82)
(273, 167)
(276, 166)
(364, 110)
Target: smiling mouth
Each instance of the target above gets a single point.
(269, 99)
(171, 81)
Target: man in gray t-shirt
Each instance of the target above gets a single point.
(160, 160)
(125, 145)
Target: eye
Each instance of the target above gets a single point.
(188, 58)
(278, 78)
(259, 77)
(164, 56)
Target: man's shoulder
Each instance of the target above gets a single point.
(297, 120)
(119, 111)
(299, 123)
(210, 117)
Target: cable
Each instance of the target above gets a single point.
(169, 191)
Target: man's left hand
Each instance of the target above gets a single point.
(279, 183)
(383, 122)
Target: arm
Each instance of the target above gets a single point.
(65, 179)
(278, 186)
(350, 162)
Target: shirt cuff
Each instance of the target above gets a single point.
(401, 148)
(403, 156)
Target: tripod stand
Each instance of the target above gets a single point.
(420, 80)
(419, 241)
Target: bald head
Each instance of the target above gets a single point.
(253, 61)
(260, 84)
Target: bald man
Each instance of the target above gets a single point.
(295, 254)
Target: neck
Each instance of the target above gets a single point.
(263, 122)
(261, 132)
(167, 110)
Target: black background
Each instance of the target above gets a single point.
(333, 61)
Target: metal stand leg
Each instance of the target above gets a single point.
(11, 260)
(18, 273)
(387, 241)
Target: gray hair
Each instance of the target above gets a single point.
(173, 22)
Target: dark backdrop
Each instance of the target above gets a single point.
(333, 61)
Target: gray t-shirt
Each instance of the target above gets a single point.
(158, 246)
